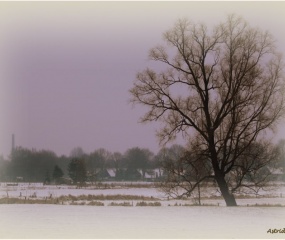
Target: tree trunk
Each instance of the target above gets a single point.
(229, 198)
(199, 195)
(219, 176)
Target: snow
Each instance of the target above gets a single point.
(55, 221)
(272, 195)
(56, 191)
(41, 191)
(166, 221)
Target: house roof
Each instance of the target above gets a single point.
(111, 172)
(276, 171)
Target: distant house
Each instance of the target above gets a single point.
(145, 175)
(277, 174)
(124, 174)
(112, 173)
(19, 179)
(159, 173)
(102, 174)
(152, 174)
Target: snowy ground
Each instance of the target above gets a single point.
(55, 221)
(272, 195)
(170, 220)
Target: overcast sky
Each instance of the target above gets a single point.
(66, 67)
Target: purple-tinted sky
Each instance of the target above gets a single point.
(66, 67)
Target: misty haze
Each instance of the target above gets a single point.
(142, 120)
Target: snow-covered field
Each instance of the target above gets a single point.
(55, 221)
(272, 195)
(165, 221)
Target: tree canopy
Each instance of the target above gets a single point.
(77, 170)
(57, 173)
(221, 89)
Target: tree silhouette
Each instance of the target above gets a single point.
(77, 170)
(220, 89)
(57, 174)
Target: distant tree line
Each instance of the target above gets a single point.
(46, 166)
(32, 165)
(135, 164)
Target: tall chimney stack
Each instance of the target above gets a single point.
(13, 142)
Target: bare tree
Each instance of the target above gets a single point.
(77, 152)
(281, 149)
(225, 86)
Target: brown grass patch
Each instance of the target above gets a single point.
(95, 203)
(27, 201)
(123, 204)
(105, 197)
(148, 204)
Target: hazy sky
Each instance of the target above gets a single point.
(66, 67)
